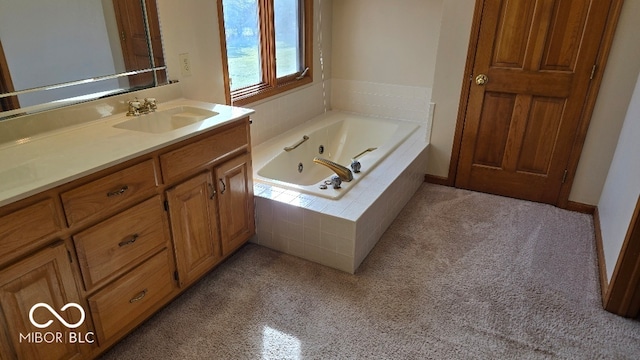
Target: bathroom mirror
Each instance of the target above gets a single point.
(57, 53)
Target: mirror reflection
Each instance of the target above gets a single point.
(103, 47)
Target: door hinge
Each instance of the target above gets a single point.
(176, 276)
(564, 176)
(166, 205)
(70, 257)
(593, 71)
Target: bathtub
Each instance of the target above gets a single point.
(336, 228)
(336, 136)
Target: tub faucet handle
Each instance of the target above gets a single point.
(336, 181)
(355, 166)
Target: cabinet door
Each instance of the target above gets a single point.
(45, 277)
(194, 225)
(235, 185)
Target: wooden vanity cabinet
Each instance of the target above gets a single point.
(194, 225)
(45, 277)
(27, 228)
(136, 235)
(235, 201)
(111, 191)
(212, 212)
(116, 245)
(126, 302)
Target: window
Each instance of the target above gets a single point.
(266, 47)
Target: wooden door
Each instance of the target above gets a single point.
(235, 187)
(45, 277)
(156, 39)
(194, 225)
(133, 39)
(6, 84)
(521, 123)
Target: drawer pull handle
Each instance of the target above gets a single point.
(130, 241)
(138, 297)
(118, 192)
(224, 187)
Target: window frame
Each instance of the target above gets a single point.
(270, 84)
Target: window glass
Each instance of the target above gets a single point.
(287, 20)
(242, 32)
(267, 47)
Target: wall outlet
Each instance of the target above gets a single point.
(185, 65)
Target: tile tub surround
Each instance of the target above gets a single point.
(341, 233)
(399, 102)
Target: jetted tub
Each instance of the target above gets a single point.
(335, 136)
(295, 217)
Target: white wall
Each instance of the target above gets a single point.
(609, 113)
(191, 26)
(449, 70)
(388, 42)
(384, 55)
(622, 185)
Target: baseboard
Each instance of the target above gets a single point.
(438, 180)
(581, 208)
(602, 266)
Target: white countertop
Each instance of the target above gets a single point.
(40, 163)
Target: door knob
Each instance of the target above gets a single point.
(481, 79)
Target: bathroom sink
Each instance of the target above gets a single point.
(166, 120)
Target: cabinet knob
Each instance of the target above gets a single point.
(212, 189)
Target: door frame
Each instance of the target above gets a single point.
(6, 84)
(622, 294)
(587, 110)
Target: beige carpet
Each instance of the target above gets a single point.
(459, 275)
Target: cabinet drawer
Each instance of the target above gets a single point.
(109, 191)
(121, 242)
(24, 229)
(200, 153)
(124, 303)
